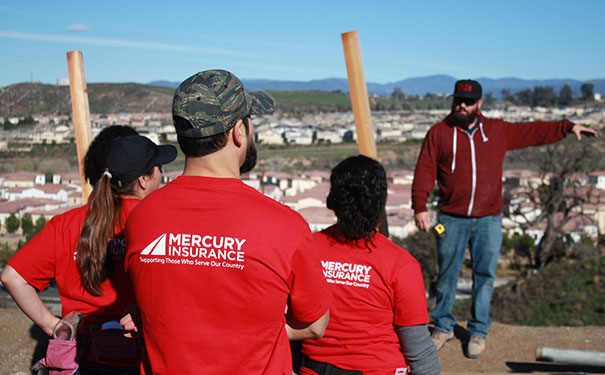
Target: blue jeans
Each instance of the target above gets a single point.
(484, 236)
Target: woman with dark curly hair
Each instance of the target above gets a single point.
(378, 318)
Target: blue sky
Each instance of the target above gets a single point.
(142, 41)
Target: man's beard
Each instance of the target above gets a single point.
(464, 119)
(250, 160)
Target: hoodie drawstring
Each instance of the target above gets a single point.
(485, 139)
(455, 142)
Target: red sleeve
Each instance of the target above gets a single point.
(410, 297)
(537, 133)
(425, 173)
(36, 260)
(309, 293)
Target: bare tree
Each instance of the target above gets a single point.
(564, 169)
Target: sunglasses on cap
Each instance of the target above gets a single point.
(467, 101)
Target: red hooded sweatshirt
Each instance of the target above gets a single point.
(468, 168)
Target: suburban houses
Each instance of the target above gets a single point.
(25, 192)
(320, 128)
(306, 192)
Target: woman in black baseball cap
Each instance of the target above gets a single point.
(83, 250)
(132, 170)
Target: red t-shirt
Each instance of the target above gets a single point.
(51, 255)
(214, 263)
(373, 290)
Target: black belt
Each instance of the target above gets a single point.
(323, 368)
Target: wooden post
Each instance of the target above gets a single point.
(80, 113)
(358, 92)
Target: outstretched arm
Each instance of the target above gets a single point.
(28, 300)
(578, 130)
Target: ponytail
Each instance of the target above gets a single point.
(104, 213)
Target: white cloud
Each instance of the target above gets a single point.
(117, 43)
(78, 27)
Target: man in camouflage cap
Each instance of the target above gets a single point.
(213, 101)
(214, 262)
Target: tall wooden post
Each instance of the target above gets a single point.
(358, 92)
(80, 113)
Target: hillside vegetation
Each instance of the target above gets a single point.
(25, 99)
(35, 98)
(568, 293)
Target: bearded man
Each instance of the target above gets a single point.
(465, 153)
(214, 262)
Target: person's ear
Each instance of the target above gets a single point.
(238, 132)
(142, 181)
(480, 102)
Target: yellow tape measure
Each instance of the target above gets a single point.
(439, 230)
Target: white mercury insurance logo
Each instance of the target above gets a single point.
(196, 250)
(157, 247)
(348, 274)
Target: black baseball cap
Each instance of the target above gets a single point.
(467, 88)
(130, 157)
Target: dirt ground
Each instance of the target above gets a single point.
(513, 349)
(509, 348)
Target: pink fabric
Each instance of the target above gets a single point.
(61, 357)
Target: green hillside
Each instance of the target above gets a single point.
(568, 293)
(25, 99)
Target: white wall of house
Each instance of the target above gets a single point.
(253, 183)
(318, 227)
(600, 182)
(61, 195)
(270, 137)
(309, 202)
(300, 185)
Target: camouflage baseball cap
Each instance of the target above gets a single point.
(214, 100)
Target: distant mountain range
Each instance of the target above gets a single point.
(435, 84)
(37, 98)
